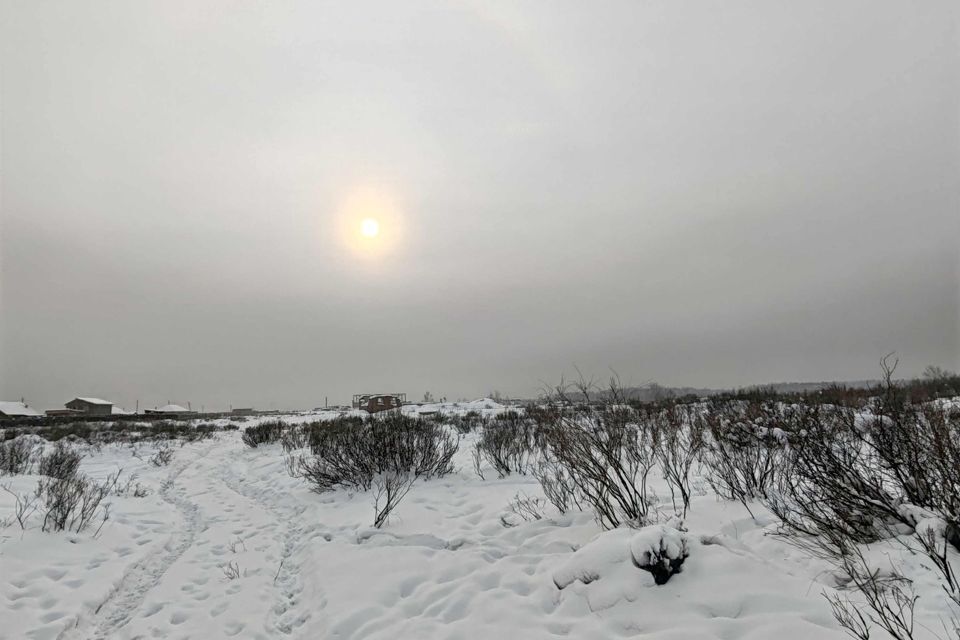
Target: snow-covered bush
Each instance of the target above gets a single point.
(658, 549)
(163, 456)
(857, 478)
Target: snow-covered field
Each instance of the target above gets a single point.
(227, 544)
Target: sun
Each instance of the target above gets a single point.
(369, 228)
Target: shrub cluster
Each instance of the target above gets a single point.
(119, 431)
(263, 433)
(18, 455)
(888, 472)
(74, 502)
(66, 499)
(602, 458)
(745, 446)
(386, 453)
(351, 454)
(510, 443)
(466, 423)
(61, 463)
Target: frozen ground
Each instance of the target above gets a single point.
(445, 566)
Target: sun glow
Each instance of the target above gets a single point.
(370, 223)
(369, 228)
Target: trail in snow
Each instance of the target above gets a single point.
(119, 607)
(289, 613)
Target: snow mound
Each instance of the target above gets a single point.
(658, 549)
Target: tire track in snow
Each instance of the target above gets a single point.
(122, 603)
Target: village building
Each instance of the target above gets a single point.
(17, 410)
(90, 406)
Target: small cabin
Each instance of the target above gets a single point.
(377, 402)
(91, 406)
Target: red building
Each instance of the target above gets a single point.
(376, 402)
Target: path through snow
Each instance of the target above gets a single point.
(229, 545)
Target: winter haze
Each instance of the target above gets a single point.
(708, 194)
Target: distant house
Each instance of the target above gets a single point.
(171, 411)
(376, 402)
(17, 410)
(246, 411)
(91, 406)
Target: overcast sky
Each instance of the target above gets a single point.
(697, 193)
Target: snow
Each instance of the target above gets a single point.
(171, 408)
(227, 544)
(17, 409)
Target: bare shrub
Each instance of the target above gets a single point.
(557, 484)
(74, 502)
(509, 443)
(295, 437)
(745, 450)
(607, 455)
(681, 441)
(526, 507)
(350, 453)
(130, 487)
(388, 490)
(25, 505)
(467, 423)
(18, 455)
(859, 477)
(162, 457)
(836, 494)
(231, 570)
(387, 453)
(889, 597)
(263, 433)
(62, 462)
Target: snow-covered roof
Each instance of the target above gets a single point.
(120, 411)
(17, 409)
(172, 408)
(93, 401)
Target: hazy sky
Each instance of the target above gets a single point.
(700, 193)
